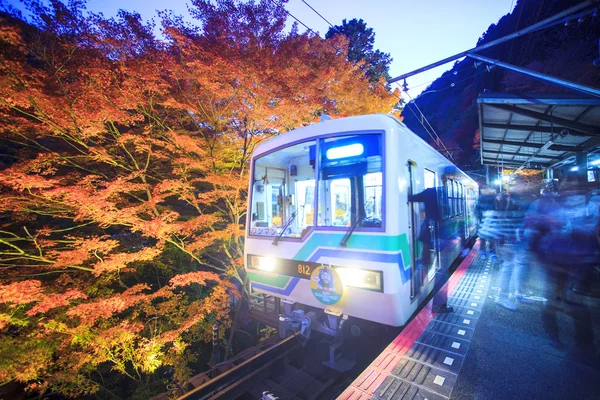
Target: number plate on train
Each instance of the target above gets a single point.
(299, 269)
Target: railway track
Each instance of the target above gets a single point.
(288, 370)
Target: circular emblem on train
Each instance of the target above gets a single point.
(326, 285)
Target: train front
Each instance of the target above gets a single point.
(316, 234)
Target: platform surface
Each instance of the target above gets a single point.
(484, 351)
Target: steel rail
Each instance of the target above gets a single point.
(224, 385)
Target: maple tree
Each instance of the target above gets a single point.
(123, 179)
(362, 40)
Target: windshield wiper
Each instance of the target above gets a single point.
(287, 225)
(357, 221)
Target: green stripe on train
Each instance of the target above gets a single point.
(275, 280)
(357, 241)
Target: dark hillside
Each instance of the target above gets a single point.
(562, 51)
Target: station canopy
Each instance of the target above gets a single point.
(538, 130)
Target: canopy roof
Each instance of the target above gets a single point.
(536, 130)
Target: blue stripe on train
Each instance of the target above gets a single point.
(284, 292)
(364, 256)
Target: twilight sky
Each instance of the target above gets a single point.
(414, 32)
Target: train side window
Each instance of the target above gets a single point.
(456, 202)
(374, 195)
(429, 178)
(450, 190)
(463, 196)
(460, 198)
(445, 201)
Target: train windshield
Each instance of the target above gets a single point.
(350, 181)
(283, 192)
(349, 192)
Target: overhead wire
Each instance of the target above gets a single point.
(329, 43)
(512, 43)
(529, 39)
(422, 84)
(437, 141)
(436, 138)
(322, 17)
(420, 119)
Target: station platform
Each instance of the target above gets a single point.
(484, 351)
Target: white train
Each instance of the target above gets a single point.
(330, 230)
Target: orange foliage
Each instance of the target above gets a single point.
(23, 292)
(123, 177)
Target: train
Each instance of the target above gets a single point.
(337, 227)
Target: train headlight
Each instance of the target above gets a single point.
(360, 278)
(263, 263)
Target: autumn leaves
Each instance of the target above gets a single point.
(123, 176)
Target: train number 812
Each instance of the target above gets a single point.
(303, 269)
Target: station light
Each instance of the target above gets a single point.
(575, 168)
(595, 162)
(506, 178)
(351, 150)
(498, 182)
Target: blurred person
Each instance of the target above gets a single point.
(429, 225)
(597, 232)
(563, 239)
(511, 250)
(485, 203)
(428, 231)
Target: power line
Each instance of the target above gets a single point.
(338, 51)
(322, 17)
(453, 84)
(301, 23)
(516, 27)
(438, 141)
(424, 127)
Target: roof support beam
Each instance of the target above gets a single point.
(517, 154)
(585, 129)
(538, 75)
(555, 147)
(529, 128)
(516, 164)
(537, 98)
(593, 143)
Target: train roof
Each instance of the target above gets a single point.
(370, 122)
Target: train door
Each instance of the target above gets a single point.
(433, 258)
(415, 221)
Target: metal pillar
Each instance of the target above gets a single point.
(581, 160)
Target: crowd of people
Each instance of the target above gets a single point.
(558, 233)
